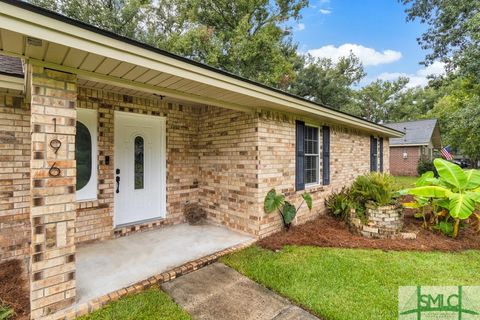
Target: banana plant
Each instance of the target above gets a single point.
(455, 190)
(276, 202)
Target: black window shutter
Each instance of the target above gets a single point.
(300, 156)
(381, 155)
(326, 155)
(373, 154)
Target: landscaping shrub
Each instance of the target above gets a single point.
(276, 202)
(194, 214)
(376, 188)
(339, 204)
(446, 201)
(425, 165)
(5, 312)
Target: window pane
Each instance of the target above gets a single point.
(83, 154)
(139, 163)
(311, 140)
(311, 169)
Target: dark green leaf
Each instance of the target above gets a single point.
(289, 212)
(273, 201)
(308, 200)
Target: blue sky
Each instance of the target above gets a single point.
(375, 30)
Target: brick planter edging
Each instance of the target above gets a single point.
(383, 222)
(97, 303)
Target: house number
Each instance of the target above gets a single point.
(55, 144)
(54, 171)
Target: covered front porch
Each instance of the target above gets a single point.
(105, 267)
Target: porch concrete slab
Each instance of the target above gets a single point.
(219, 292)
(110, 265)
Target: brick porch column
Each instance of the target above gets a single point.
(53, 179)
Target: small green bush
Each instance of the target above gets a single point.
(376, 188)
(339, 204)
(425, 165)
(5, 312)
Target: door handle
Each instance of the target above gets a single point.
(118, 184)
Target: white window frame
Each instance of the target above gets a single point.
(317, 182)
(89, 118)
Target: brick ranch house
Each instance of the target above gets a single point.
(102, 136)
(421, 141)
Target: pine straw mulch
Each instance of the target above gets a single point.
(13, 288)
(326, 231)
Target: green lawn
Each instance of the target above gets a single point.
(350, 283)
(152, 304)
(404, 182)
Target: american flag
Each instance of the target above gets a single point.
(446, 153)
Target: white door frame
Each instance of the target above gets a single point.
(162, 164)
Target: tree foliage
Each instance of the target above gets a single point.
(124, 17)
(453, 33)
(377, 100)
(457, 110)
(326, 82)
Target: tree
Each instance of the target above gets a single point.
(453, 35)
(245, 37)
(377, 101)
(124, 17)
(323, 81)
(457, 111)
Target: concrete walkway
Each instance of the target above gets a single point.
(219, 292)
(111, 265)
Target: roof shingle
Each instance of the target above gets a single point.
(11, 66)
(416, 132)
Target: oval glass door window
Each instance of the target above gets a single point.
(83, 154)
(139, 163)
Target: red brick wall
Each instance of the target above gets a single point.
(404, 167)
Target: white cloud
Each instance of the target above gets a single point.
(418, 78)
(325, 11)
(368, 56)
(300, 27)
(436, 68)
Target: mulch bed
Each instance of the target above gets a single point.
(13, 288)
(326, 231)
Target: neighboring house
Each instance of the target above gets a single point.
(421, 140)
(102, 136)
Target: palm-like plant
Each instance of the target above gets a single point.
(455, 190)
(276, 202)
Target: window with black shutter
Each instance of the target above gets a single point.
(299, 155)
(326, 155)
(373, 154)
(312, 155)
(307, 159)
(381, 154)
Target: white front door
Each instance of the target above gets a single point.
(140, 188)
